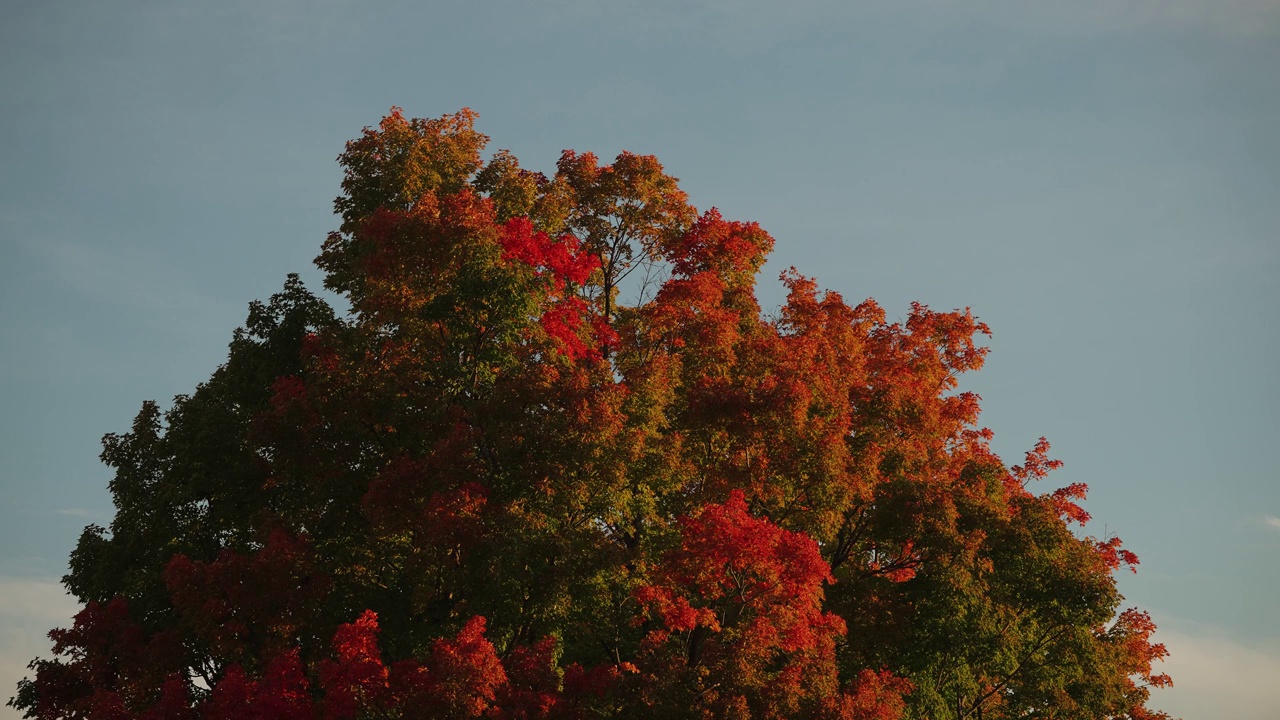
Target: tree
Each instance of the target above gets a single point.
(503, 487)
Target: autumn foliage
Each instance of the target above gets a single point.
(555, 462)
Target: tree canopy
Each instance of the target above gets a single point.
(555, 462)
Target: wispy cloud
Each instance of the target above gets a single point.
(29, 609)
(105, 268)
(1272, 521)
(155, 291)
(130, 277)
(77, 512)
(1216, 677)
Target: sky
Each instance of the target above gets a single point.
(1099, 180)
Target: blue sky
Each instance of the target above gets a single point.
(1098, 179)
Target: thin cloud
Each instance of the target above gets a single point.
(111, 270)
(156, 292)
(76, 512)
(1214, 676)
(29, 609)
(1272, 521)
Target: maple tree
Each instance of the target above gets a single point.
(500, 487)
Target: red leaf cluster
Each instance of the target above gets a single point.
(738, 614)
(245, 604)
